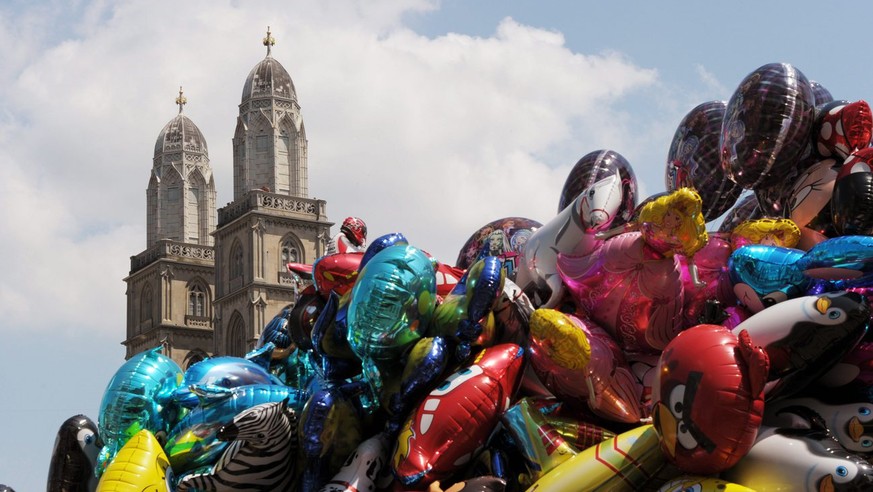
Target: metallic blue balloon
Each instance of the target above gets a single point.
(193, 442)
(224, 372)
(764, 275)
(382, 242)
(845, 261)
(391, 303)
(139, 396)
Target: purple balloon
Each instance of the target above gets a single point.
(745, 209)
(820, 94)
(694, 160)
(767, 126)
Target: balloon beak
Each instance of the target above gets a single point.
(667, 428)
(856, 429)
(822, 304)
(826, 484)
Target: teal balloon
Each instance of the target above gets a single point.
(391, 304)
(139, 396)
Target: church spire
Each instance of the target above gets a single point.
(269, 41)
(181, 100)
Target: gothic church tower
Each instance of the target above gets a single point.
(271, 220)
(171, 284)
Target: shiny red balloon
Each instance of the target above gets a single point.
(709, 401)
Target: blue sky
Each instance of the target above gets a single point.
(452, 113)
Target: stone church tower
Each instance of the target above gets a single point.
(205, 287)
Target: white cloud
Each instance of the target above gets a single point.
(432, 137)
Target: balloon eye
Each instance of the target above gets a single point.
(842, 471)
(864, 411)
(591, 193)
(834, 314)
(866, 443)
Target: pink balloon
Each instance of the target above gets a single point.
(629, 289)
(605, 385)
(711, 262)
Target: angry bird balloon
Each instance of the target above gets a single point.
(708, 396)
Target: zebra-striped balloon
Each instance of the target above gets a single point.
(261, 456)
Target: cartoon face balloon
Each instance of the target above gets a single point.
(708, 396)
(841, 128)
(767, 125)
(75, 455)
(512, 235)
(765, 275)
(694, 160)
(851, 423)
(594, 167)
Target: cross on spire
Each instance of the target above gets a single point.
(181, 100)
(269, 41)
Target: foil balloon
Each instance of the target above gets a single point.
(844, 262)
(628, 462)
(139, 396)
(277, 333)
(261, 455)
(222, 371)
(337, 272)
(447, 278)
(800, 459)
(456, 418)
(583, 366)
(606, 201)
(541, 445)
(807, 336)
(502, 237)
(766, 126)
(694, 160)
(812, 191)
(765, 275)
(512, 312)
(851, 424)
(673, 223)
(746, 208)
(852, 202)
(820, 93)
(842, 127)
(593, 167)
(74, 456)
(365, 469)
(462, 313)
(382, 242)
(771, 232)
(331, 427)
(425, 364)
(391, 304)
(193, 443)
(853, 374)
(140, 465)
(708, 396)
(476, 484)
(697, 483)
(711, 263)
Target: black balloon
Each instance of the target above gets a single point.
(820, 94)
(745, 209)
(694, 160)
(767, 126)
(852, 202)
(74, 456)
(594, 166)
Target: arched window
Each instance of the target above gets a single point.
(196, 301)
(236, 341)
(145, 305)
(194, 357)
(290, 253)
(236, 260)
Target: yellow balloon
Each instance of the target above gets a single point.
(772, 232)
(674, 223)
(140, 466)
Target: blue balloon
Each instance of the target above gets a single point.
(382, 242)
(139, 396)
(224, 372)
(764, 275)
(391, 303)
(845, 262)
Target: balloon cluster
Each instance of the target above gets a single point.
(619, 346)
